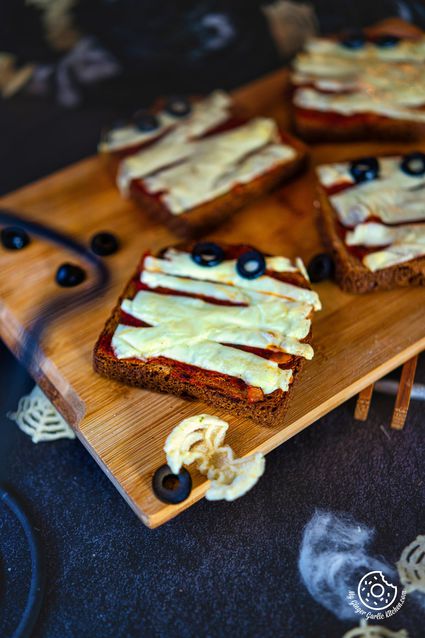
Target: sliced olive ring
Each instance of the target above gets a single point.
(413, 164)
(320, 267)
(364, 169)
(14, 238)
(387, 41)
(145, 121)
(104, 244)
(169, 487)
(354, 40)
(207, 254)
(178, 106)
(251, 264)
(70, 275)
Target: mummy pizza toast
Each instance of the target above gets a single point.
(225, 324)
(198, 169)
(373, 220)
(360, 86)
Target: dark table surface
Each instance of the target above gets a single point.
(219, 569)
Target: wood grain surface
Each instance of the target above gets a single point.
(356, 339)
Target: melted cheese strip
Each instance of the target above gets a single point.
(276, 316)
(394, 197)
(379, 235)
(220, 292)
(185, 331)
(396, 254)
(205, 115)
(405, 243)
(195, 332)
(388, 82)
(180, 264)
(187, 173)
(208, 355)
(356, 103)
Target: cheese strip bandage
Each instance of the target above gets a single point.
(394, 197)
(185, 172)
(389, 82)
(181, 264)
(205, 115)
(203, 334)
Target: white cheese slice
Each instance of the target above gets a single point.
(217, 163)
(163, 153)
(394, 197)
(277, 316)
(359, 102)
(181, 264)
(206, 114)
(184, 194)
(157, 339)
(374, 234)
(213, 290)
(187, 172)
(129, 135)
(208, 355)
(393, 255)
(397, 86)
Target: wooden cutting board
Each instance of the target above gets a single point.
(357, 339)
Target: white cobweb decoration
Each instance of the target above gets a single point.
(374, 631)
(38, 417)
(411, 566)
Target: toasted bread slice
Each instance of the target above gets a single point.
(364, 263)
(200, 219)
(367, 85)
(163, 374)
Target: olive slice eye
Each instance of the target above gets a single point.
(354, 40)
(169, 487)
(178, 106)
(14, 238)
(145, 121)
(320, 267)
(104, 244)
(251, 264)
(413, 164)
(364, 169)
(207, 254)
(387, 41)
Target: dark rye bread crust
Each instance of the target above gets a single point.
(160, 377)
(351, 275)
(204, 217)
(352, 128)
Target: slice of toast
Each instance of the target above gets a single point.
(204, 115)
(363, 86)
(223, 376)
(237, 182)
(205, 216)
(352, 273)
